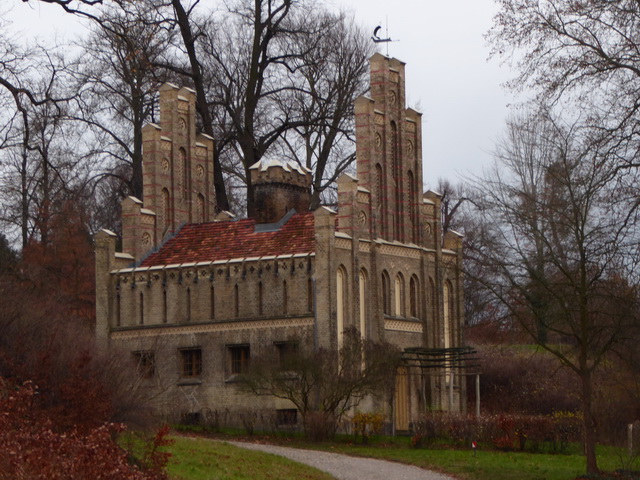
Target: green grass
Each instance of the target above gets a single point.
(205, 459)
(487, 465)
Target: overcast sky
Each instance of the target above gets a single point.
(448, 76)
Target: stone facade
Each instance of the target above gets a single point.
(193, 303)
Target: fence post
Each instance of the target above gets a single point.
(630, 438)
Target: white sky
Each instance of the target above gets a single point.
(448, 76)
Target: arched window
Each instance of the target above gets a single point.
(414, 307)
(200, 209)
(341, 282)
(166, 211)
(182, 172)
(386, 293)
(380, 196)
(397, 179)
(448, 313)
(413, 209)
(399, 296)
(363, 291)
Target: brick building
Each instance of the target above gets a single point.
(194, 295)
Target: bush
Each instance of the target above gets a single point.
(31, 449)
(366, 424)
(504, 432)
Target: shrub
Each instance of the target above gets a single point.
(503, 432)
(366, 424)
(31, 449)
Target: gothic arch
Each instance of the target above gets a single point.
(398, 296)
(386, 293)
(414, 297)
(341, 297)
(363, 290)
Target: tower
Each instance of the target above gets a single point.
(389, 153)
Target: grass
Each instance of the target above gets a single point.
(487, 465)
(204, 459)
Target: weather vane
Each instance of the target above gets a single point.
(376, 38)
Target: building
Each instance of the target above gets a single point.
(194, 295)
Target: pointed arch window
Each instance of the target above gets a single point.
(183, 172)
(386, 293)
(363, 291)
(200, 209)
(448, 313)
(399, 296)
(414, 307)
(166, 211)
(413, 209)
(341, 282)
(380, 196)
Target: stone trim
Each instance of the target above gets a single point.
(164, 330)
(402, 325)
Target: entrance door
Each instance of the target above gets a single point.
(401, 400)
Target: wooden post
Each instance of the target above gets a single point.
(451, 390)
(477, 395)
(630, 439)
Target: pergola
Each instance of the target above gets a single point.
(461, 361)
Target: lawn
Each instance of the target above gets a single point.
(203, 459)
(198, 459)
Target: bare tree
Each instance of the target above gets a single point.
(332, 74)
(117, 86)
(323, 383)
(558, 247)
(584, 54)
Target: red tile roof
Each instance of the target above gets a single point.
(204, 242)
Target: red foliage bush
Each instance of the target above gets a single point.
(31, 449)
(503, 432)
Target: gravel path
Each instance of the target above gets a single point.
(344, 467)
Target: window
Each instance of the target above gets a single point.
(166, 211)
(287, 416)
(286, 352)
(145, 363)
(200, 209)
(191, 362)
(386, 294)
(341, 281)
(399, 296)
(363, 303)
(413, 294)
(239, 358)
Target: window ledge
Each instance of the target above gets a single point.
(184, 382)
(235, 378)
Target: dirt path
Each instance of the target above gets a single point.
(344, 467)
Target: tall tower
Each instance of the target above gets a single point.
(389, 153)
(177, 164)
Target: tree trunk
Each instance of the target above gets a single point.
(222, 201)
(588, 423)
